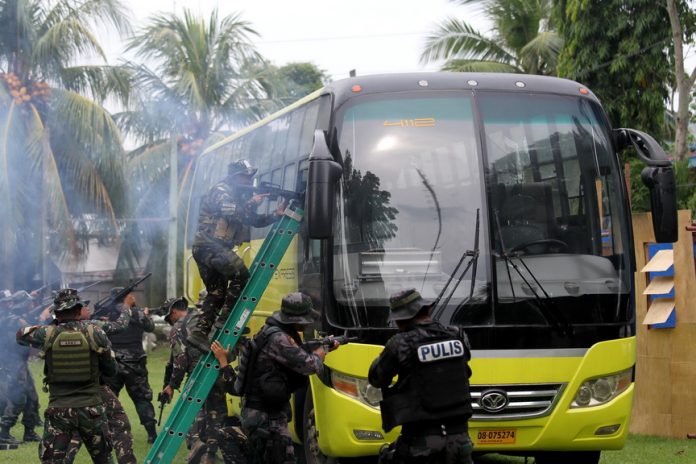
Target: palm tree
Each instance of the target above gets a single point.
(523, 39)
(60, 150)
(204, 79)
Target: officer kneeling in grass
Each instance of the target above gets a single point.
(431, 399)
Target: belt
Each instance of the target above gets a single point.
(448, 426)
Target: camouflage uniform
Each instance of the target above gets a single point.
(74, 406)
(22, 397)
(132, 368)
(282, 362)
(208, 426)
(430, 399)
(119, 425)
(225, 217)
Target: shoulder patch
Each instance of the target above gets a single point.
(29, 329)
(441, 350)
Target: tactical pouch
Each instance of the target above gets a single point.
(274, 389)
(396, 410)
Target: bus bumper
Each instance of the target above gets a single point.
(602, 427)
(353, 429)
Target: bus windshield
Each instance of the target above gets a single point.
(408, 202)
(553, 264)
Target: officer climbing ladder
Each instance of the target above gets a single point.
(206, 372)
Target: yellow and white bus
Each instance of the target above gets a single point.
(502, 195)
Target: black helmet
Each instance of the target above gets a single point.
(241, 167)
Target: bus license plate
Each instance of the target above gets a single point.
(496, 437)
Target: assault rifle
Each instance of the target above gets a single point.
(273, 190)
(163, 399)
(105, 306)
(327, 342)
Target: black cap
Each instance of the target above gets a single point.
(405, 304)
(174, 303)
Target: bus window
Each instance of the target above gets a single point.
(294, 134)
(308, 126)
(289, 177)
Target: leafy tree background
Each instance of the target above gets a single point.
(621, 50)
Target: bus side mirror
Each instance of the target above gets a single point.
(324, 172)
(658, 176)
(663, 202)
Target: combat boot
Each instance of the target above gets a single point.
(208, 458)
(6, 438)
(198, 449)
(151, 433)
(30, 435)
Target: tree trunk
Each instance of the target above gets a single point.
(685, 83)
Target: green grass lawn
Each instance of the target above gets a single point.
(638, 450)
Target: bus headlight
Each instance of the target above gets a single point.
(357, 388)
(600, 390)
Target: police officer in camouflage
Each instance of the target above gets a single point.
(209, 427)
(119, 425)
(279, 368)
(431, 399)
(22, 397)
(76, 354)
(226, 214)
(132, 363)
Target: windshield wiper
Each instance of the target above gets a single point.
(473, 254)
(548, 311)
(431, 190)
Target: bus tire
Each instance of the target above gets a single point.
(567, 457)
(313, 454)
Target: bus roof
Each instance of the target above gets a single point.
(381, 83)
(343, 89)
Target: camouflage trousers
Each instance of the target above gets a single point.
(21, 399)
(133, 375)
(60, 425)
(268, 435)
(210, 430)
(455, 448)
(119, 430)
(224, 274)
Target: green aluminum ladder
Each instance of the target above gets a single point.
(205, 374)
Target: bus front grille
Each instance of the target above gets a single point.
(514, 401)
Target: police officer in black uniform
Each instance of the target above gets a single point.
(431, 399)
(132, 362)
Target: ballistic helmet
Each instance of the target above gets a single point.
(241, 168)
(405, 304)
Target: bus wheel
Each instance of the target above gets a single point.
(313, 454)
(568, 457)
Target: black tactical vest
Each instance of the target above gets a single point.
(269, 384)
(433, 378)
(129, 342)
